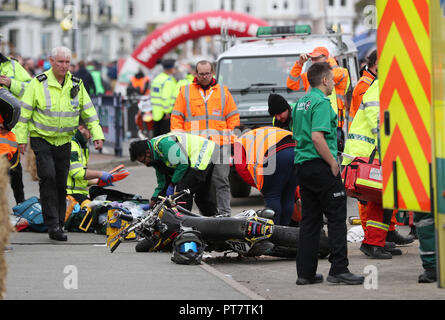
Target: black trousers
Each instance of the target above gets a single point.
(199, 183)
(53, 164)
(161, 127)
(321, 193)
(16, 178)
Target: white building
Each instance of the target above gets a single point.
(320, 14)
(100, 28)
(107, 30)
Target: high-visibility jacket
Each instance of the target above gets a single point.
(162, 95)
(20, 78)
(183, 82)
(259, 145)
(97, 79)
(50, 112)
(9, 148)
(299, 81)
(180, 151)
(364, 132)
(76, 183)
(362, 85)
(211, 114)
(142, 84)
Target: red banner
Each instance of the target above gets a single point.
(193, 26)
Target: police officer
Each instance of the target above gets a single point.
(14, 78)
(321, 187)
(162, 91)
(51, 107)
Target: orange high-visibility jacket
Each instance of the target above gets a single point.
(9, 147)
(142, 84)
(357, 95)
(259, 145)
(298, 81)
(211, 114)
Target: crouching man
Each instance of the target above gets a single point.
(182, 161)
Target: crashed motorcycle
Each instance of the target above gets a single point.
(249, 233)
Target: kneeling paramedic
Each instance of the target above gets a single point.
(182, 161)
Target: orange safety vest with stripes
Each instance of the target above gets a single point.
(298, 81)
(211, 114)
(357, 95)
(259, 145)
(9, 147)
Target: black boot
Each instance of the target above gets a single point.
(375, 252)
(428, 276)
(397, 238)
(413, 232)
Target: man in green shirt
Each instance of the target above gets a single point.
(321, 188)
(182, 161)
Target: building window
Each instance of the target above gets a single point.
(343, 3)
(285, 5)
(130, 9)
(275, 5)
(191, 6)
(331, 3)
(221, 5)
(232, 5)
(173, 3)
(162, 5)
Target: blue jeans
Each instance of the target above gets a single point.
(279, 187)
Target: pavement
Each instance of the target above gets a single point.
(84, 269)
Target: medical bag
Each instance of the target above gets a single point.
(363, 179)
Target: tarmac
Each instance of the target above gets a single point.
(83, 269)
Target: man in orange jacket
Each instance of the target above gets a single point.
(207, 109)
(298, 81)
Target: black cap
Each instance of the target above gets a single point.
(168, 63)
(277, 104)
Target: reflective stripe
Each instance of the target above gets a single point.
(187, 101)
(202, 153)
(78, 188)
(424, 223)
(91, 119)
(361, 138)
(47, 94)
(26, 106)
(22, 90)
(371, 104)
(299, 78)
(8, 142)
(23, 120)
(376, 224)
(261, 152)
(231, 114)
(223, 99)
(76, 166)
(178, 113)
(427, 253)
(87, 106)
(57, 114)
(52, 129)
(368, 183)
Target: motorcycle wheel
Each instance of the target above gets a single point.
(284, 236)
(144, 245)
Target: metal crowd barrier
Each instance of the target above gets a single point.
(109, 108)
